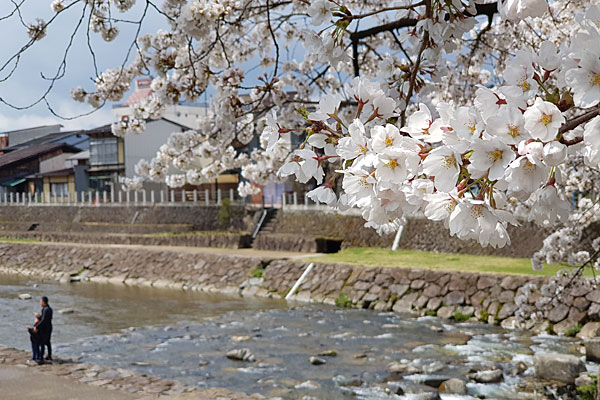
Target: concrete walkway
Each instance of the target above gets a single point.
(20, 383)
(250, 253)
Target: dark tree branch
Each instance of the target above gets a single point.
(488, 9)
(574, 123)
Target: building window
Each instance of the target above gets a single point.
(59, 189)
(104, 151)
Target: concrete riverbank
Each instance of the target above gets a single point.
(447, 294)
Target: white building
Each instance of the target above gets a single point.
(185, 114)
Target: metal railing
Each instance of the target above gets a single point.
(143, 197)
(287, 201)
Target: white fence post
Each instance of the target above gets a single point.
(183, 196)
(144, 196)
(162, 196)
(112, 195)
(195, 196)
(218, 196)
(120, 196)
(206, 197)
(172, 196)
(104, 197)
(231, 195)
(97, 198)
(152, 196)
(295, 198)
(135, 197)
(128, 197)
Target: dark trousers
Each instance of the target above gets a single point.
(35, 350)
(45, 342)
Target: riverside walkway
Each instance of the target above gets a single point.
(250, 253)
(67, 380)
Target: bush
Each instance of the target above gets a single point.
(431, 313)
(460, 317)
(343, 300)
(225, 214)
(573, 331)
(484, 315)
(257, 272)
(587, 392)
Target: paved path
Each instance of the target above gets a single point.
(20, 383)
(186, 249)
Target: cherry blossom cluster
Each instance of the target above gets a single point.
(459, 165)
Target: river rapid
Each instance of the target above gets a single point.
(185, 336)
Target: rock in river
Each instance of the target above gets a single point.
(328, 353)
(316, 361)
(25, 296)
(592, 349)
(559, 367)
(241, 338)
(491, 376)
(453, 386)
(240, 355)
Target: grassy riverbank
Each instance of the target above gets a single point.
(436, 261)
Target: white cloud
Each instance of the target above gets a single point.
(29, 119)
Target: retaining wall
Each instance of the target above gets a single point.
(121, 217)
(198, 239)
(488, 298)
(419, 234)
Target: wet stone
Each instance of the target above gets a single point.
(491, 376)
(560, 367)
(316, 360)
(453, 386)
(558, 313)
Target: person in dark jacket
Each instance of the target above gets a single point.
(35, 340)
(44, 328)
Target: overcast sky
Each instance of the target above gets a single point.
(26, 84)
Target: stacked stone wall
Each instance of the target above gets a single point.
(124, 218)
(199, 239)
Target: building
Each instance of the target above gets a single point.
(19, 168)
(106, 159)
(112, 157)
(186, 114)
(21, 136)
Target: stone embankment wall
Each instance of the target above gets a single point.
(420, 234)
(124, 218)
(488, 298)
(199, 239)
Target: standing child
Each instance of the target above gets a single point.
(34, 336)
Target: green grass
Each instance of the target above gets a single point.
(573, 331)
(17, 240)
(343, 300)
(587, 392)
(257, 272)
(460, 317)
(436, 261)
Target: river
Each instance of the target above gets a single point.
(185, 335)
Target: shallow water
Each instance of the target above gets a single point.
(182, 335)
